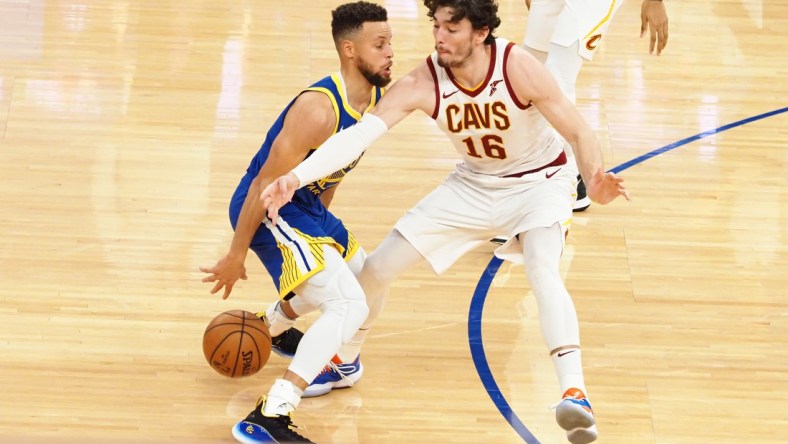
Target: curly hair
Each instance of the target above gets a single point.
(481, 13)
(350, 17)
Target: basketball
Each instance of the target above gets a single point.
(236, 343)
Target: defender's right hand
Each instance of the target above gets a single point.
(278, 193)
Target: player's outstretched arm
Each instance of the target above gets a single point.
(533, 83)
(311, 110)
(414, 91)
(654, 18)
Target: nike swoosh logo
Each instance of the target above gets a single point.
(446, 96)
(562, 354)
(548, 175)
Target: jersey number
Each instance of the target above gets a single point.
(492, 145)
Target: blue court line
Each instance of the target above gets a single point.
(479, 358)
(480, 294)
(702, 135)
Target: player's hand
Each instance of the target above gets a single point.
(278, 193)
(654, 18)
(225, 273)
(605, 187)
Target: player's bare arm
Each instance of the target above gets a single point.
(311, 110)
(533, 83)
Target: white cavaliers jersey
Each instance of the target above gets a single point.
(494, 132)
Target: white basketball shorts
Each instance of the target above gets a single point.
(564, 22)
(468, 209)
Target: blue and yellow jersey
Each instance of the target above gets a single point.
(334, 88)
(292, 250)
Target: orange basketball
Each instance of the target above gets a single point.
(236, 343)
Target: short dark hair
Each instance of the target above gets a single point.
(350, 17)
(481, 13)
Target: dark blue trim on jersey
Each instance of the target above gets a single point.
(480, 294)
(298, 246)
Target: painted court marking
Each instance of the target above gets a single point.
(486, 279)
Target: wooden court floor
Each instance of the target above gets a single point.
(125, 125)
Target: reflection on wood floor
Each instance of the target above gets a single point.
(125, 125)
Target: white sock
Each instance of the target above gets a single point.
(350, 351)
(282, 399)
(569, 368)
(278, 321)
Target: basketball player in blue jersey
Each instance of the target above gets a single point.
(309, 251)
(563, 34)
(507, 118)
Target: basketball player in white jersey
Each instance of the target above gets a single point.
(563, 34)
(503, 112)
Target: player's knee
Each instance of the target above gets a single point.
(339, 295)
(542, 250)
(376, 271)
(354, 302)
(538, 260)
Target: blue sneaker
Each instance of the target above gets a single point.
(334, 376)
(258, 428)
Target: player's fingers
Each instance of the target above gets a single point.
(663, 38)
(268, 192)
(206, 269)
(643, 20)
(652, 41)
(284, 189)
(227, 291)
(209, 278)
(273, 212)
(217, 287)
(243, 276)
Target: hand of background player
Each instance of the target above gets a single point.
(605, 187)
(278, 193)
(654, 18)
(225, 273)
